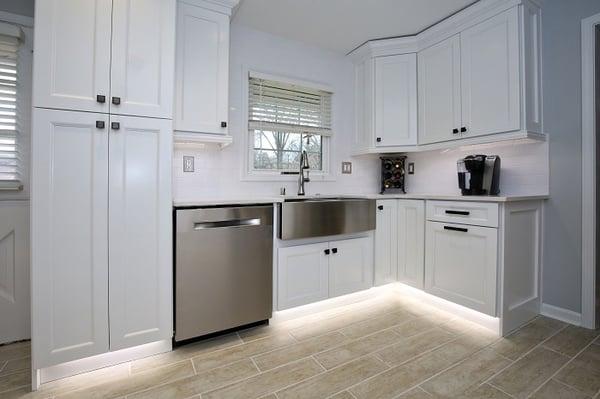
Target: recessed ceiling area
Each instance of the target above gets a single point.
(342, 25)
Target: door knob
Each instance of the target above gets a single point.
(463, 129)
(380, 207)
(99, 124)
(454, 131)
(326, 252)
(101, 98)
(115, 125)
(379, 139)
(116, 100)
(223, 124)
(334, 250)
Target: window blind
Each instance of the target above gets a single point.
(284, 107)
(10, 146)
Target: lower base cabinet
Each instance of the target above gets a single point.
(310, 273)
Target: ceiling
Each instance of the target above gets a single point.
(342, 25)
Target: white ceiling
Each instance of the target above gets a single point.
(342, 25)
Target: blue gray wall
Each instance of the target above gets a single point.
(21, 7)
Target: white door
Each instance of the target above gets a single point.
(140, 225)
(143, 58)
(72, 54)
(386, 242)
(490, 75)
(302, 275)
(439, 92)
(14, 271)
(69, 245)
(411, 242)
(201, 70)
(460, 264)
(396, 100)
(350, 266)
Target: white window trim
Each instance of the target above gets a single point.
(248, 171)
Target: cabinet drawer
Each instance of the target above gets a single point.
(475, 213)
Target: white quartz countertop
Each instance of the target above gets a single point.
(235, 200)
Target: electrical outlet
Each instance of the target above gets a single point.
(411, 168)
(347, 168)
(188, 164)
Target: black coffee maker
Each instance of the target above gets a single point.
(479, 175)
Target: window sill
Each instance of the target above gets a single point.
(267, 176)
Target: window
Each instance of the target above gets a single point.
(10, 146)
(285, 119)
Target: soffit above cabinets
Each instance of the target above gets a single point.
(343, 25)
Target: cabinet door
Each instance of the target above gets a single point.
(439, 92)
(460, 264)
(386, 242)
(350, 266)
(490, 75)
(411, 242)
(140, 227)
(302, 275)
(202, 70)
(69, 244)
(396, 100)
(72, 54)
(143, 58)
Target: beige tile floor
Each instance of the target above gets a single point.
(385, 347)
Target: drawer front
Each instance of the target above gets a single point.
(474, 213)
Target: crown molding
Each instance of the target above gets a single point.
(222, 6)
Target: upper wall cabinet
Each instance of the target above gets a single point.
(479, 81)
(202, 70)
(121, 60)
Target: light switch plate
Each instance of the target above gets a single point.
(188, 164)
(347, 168)
(411, 168)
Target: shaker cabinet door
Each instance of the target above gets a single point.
(140, 231)
(411, 242)
(69, 231)
(72, 55)
(386, 242)
(350, 265)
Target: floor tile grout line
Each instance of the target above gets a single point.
(318, 362)
(498, 388)
(568, 386)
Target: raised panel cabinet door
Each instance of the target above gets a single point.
(396, 100)
(143, 58)
(72, 55)
(461, 264)
(140, 231)
(350, 266)
(439, 92)
(302, 275)
(411, 242)
(201, 70)
(386, 242)
(490, 76)
(69, 230)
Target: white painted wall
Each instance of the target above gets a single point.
(219, 172)
(561, 35)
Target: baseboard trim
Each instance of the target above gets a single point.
(566, 315)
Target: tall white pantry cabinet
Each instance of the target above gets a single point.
(101, 177)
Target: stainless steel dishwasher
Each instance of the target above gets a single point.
(223, 268)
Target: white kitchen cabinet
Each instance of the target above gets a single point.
(350, 265)
(91, 54)
(143, 58)
(72, 55)
(490, 87)
(140, 231)
(202, 70)
(461, 264)
(439, 92)
(69, 236)
(396, 100)
(386, 242)
(303, 275)
(411, 242)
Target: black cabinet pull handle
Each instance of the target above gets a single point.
(116, 100)
(115, 125)
(463, 213)
(223, 124)
(454, 131)
(461, 229)
(334, 250)
(326, 252)
(380, 207)
(379, 139)
(99, 124)
(463, 129)
(101, 98)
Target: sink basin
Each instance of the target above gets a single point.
(324, 216)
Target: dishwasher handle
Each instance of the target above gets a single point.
(227, 223)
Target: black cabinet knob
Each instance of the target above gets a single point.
(379, 139)
(334, 250)
(380, 207)
(454, 131)
(116, 100)
(223, 124)
(101, 98)
(99, 124)
(326, 252)
(463, 129)
(115, 125)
